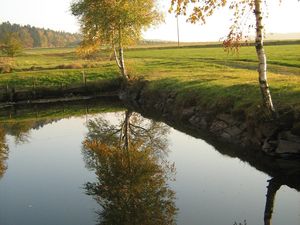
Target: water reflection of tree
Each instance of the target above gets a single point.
(132, 174)
(274, 185)
(19, 130)
(3, 152)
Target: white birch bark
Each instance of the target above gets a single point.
(262, 66)
(122, 63)
(116, 57)
(121, 56)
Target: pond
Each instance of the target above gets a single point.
(110, 165)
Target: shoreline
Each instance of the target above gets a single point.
(284, 168)
(274, 138)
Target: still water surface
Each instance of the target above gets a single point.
(120, 168)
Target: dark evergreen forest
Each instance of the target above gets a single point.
(33, 37)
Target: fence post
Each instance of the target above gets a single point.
(7, 95)
(84, 78)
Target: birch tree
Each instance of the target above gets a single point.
(117, 23)
(241, 10)
(11, 45)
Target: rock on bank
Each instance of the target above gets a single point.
(276, 138)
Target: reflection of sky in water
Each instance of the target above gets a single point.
(44, 178)
(216, 189)
(43, 183)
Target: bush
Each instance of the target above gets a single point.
(69, 66)
(5, 69)
(90, 65)
(11, 45)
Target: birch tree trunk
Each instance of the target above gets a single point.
(116, 57)
(122, 63)
(121, 56)
(262, 66)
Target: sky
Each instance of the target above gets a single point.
(55, 14)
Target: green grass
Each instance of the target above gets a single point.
(48, 58)
(55, 67)
(58, 76)
(212, 76)
(207, 74)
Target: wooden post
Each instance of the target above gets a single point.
(7, 94)
(83, 78)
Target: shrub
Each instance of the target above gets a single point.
(5, 69)
(69, 66)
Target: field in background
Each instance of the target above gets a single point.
(208, 73)
(55, 67)
(212, 76)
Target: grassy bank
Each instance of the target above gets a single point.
(55, 67)
(196, 73)
(212, 76)
(56, 73)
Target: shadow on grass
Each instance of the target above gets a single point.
(165, 64)
(274, 66)
(207, 92)
(197, 64)
(225, 98)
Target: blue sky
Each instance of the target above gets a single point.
(55, 14)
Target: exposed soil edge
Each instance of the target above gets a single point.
(274, 138)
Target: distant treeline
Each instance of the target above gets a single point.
(32, 37)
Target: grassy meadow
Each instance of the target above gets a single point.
(213, 76)
(207, 74)
(55, 67)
